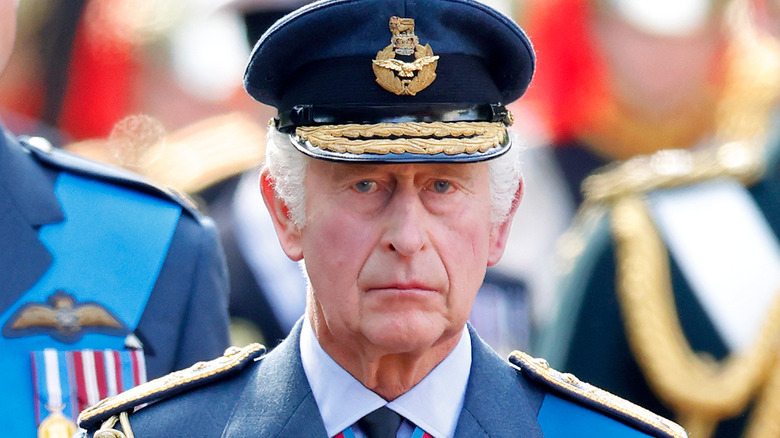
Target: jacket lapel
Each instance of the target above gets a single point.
(278, 401)
(27, 202)
(498, 402)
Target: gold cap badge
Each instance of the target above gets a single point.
(397, 76)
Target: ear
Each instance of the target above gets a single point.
(288, 233)
(500, 231)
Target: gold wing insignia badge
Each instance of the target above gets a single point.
(64, 319)
(400, 77)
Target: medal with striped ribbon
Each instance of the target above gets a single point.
(67, 382)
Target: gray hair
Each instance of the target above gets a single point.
(287, 167)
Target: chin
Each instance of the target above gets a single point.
(405, 335)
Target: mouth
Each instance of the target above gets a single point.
(403, 288)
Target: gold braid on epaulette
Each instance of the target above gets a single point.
(740, 160)
(569, 383)
(126, 400)
(410, 137)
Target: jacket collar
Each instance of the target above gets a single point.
(27, 201)
(28, 185)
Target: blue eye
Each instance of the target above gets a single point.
(441, 186)
(365, 186)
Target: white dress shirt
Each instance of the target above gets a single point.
(434, 404)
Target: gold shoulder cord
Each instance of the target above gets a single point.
(107, 428)
(700, 390)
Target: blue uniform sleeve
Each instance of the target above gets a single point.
(205, 326)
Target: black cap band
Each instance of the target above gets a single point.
(312, 115)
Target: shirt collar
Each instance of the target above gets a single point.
(434, 404)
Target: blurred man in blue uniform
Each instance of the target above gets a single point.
(390, 172)
(106, 281)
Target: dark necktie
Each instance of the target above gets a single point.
(382, 423)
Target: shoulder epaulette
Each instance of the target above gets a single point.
(44, 152)
(234, 360)
(743, 161)
(570, 387)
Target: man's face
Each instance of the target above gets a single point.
(396, 253)
(659, 75)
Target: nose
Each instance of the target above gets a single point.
(406, 223)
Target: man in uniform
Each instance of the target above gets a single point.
(390, 173)
(672, 268)
(106, 280)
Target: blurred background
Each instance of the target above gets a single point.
(631, 97)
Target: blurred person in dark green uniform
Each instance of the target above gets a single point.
(671, 272)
